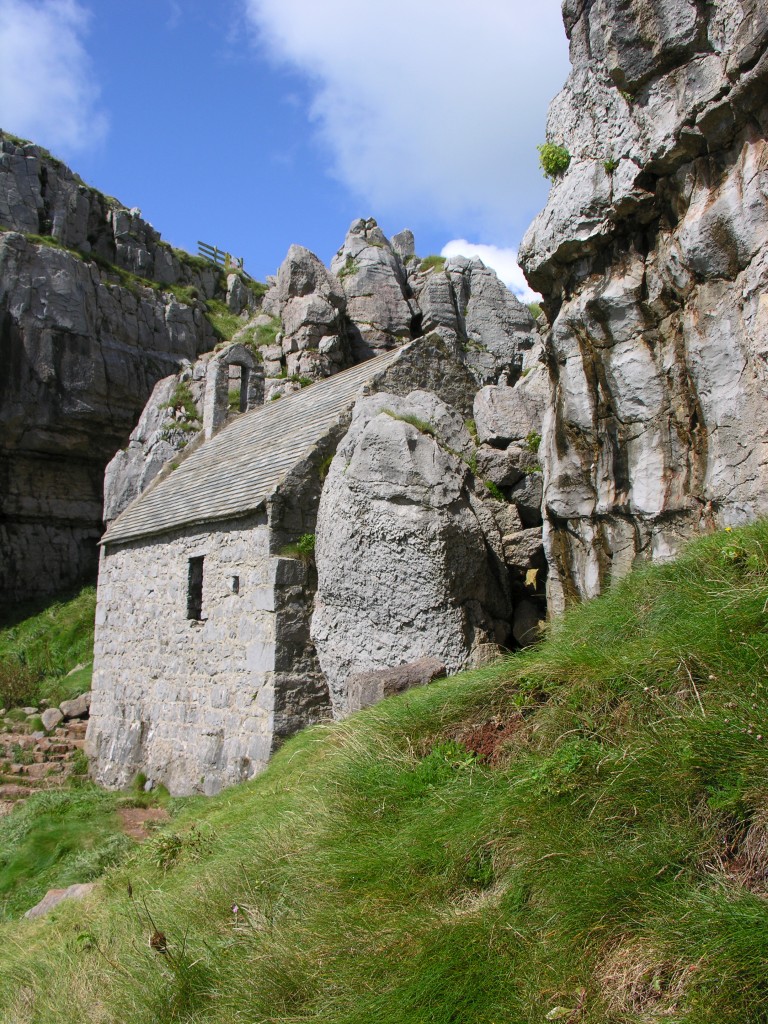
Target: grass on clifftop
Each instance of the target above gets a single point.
(579, 834)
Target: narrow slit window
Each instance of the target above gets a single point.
(235, 584)
(195, 588)
(243, 388)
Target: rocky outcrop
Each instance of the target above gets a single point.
(411, 548)
(310, 304)
(90, 320)
(652, 256)
(368, 688)
(467, 303)
(378, 301)
(377, 295)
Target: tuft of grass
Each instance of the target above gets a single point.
(421, 425)
(534, 309)
(533, 441)
(600, 856)
(182, 400)
(223, 322)
(494, 490)
(304, 548)
(432, 263)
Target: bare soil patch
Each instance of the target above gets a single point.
(134, 821)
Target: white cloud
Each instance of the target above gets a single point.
(47, 91)
(503, 261)
(430, 107)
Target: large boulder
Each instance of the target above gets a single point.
(404, 569)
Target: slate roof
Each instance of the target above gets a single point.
(231, 474)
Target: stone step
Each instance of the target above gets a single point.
(13, 791)
(41, 771)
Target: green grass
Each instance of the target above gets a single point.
(39, 646)
(432, 263)
(55, 839)
(421, 425)
(223, 322)
(606, 865)
(182, 400)
(350, 268)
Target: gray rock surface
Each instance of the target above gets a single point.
(54, 897)
(505, 414)
(77, 707)
(51, 718)
(366, 688)
(311, 305)
(468, 305)
(404, 568)
(82, 346)
(652, 256)
(376, 290)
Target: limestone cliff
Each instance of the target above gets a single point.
(652, 256)
(94, 309)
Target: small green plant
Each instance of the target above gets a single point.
(351, 266)
(610, 165)
(471, 461)
(306, 545)
(304, 548)
(534, 309)
(21, 756)
(432, 263)
(555, 160)
(421, 425)
(18, 683)
(181, 401)
(265, 334)
(324, 467)
(533, 441)
(494, 490)
(627, 96)
(471, 429)
(79, 763)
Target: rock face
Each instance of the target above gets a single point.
(377, 295)
(652, 256)
(405, 566)
(88, 324)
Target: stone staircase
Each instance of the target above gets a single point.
(31, 762)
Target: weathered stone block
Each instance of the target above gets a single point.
(366, 688)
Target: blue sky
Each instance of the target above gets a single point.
(253, 124)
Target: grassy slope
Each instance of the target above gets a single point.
(40, 645)
(609, 863)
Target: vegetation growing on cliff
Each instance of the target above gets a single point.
(555, 160)
(577, 834)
